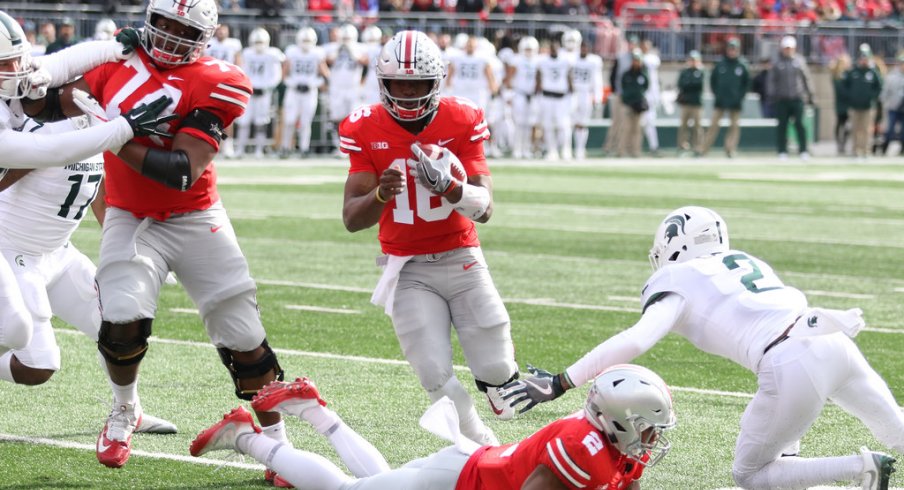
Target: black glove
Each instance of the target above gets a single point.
(145, 118)
(130, 39)
(541, 387)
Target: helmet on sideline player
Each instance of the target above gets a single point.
(688, 233)
(571, 40)
(171, 50)
(632, 406)
(348, 34)
(259, 39)
(410, 55)
(14, 84)
(528, 46)
(104, 30)
(306, 38)
(372, 35)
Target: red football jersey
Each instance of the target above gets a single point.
(571, 447)
(416, 221)
(209, 84)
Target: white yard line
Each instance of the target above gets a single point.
(43, 441)
(320, 309)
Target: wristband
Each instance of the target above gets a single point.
(378, 197)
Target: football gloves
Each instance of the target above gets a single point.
(130, 39)
(542, 386)
(435, 174)
(145, 118)
(39, 80)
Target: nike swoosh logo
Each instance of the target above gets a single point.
(175, 78)
(444, 142)
(546, 390)
(497, 411)
(214, 229)
(468, 266)
(101, 447)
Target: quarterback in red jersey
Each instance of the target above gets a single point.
(606, 445)
(165, 215)
(435, 275)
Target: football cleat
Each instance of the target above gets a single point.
(877, 469)
(288, 398)
(500, 407)
(223, 434)
(277, 481)
(155, 425)
(114, 444)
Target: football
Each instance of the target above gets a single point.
(436, 152)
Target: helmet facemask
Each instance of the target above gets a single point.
(410, 56)
(14, 51)
(169, 50)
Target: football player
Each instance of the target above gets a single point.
(587, 78)
(21, 77)
(651, 62)
(372, 37)
(39, 211)
(471, 75)
(554, 83)
(228, 49)
(730, 303)
(521, 78)
(435, 275)
(104, 30)
(304, 72)
(346, 59)
(264, 65)
(164, 214)
(607, 444)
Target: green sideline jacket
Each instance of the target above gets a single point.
(862, 87)
(730, 81)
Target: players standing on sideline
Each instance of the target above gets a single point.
(471, 75)
(617, 434)
(346, 59)
(729, 303)
(304, 72)
(521, 78)
(264, 66)
(651, 62)
(164, 214)
(372, 39)
(587, 79)
(435, 275)
(554, 87)
(622, 63)
(228, 49)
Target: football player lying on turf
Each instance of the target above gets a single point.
(729, 303)
(39, 211)
(610, 441)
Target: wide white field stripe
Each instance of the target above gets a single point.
(321, 309)
(135, 452)
(836, 294)
(313, 285)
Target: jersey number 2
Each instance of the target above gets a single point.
(748, 280)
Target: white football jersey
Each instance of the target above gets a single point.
(735, 304)
(346, 70)
(304, 66)
(554, 74)
(224, 50)
(371, 93)
(263, 69)
(11, 115)
(469, 76)
(524, 81)
(651, 61)
(587, 75)
(39, 212)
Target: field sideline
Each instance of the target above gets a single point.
(567, 247)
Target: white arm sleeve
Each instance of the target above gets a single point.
(33, 150)
(655, 323)
(75, 60)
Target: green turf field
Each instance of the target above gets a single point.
(567, 247)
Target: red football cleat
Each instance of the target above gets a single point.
(289, 398)
(223, 434)
(114, 444)
(276, 480)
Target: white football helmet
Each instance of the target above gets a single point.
(348, 34)
(306, 38)
(372, 35)
(632, 406)
(259, 39)
(104, 30)
(170, 50)
(688, 233)
(410, 55)
(14, 83)
(571, 40)
(528, 46)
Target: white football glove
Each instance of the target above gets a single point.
(92, 109)
(39, 80)
(437, 175)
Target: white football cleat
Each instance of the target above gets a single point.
(500, 407)
(224, 434)
(155, 425)
(877, 469)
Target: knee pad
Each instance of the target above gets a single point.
(483, 386)
(124, 349)
(17, 329)
(239, 371)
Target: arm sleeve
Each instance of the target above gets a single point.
(75, 60)
(656, 322)
(33, 150)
